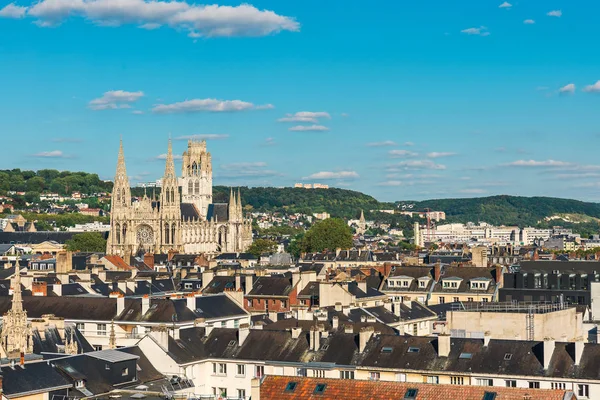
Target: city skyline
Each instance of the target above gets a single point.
(408, 102)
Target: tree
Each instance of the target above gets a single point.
(87, 241)
(330, 234)
(260, 246)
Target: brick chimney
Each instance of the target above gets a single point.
(149, 260)
(364, 336)
(39, 289)
(499, 276)
(437, 271)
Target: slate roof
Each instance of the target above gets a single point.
(276, 388)
(311, 290)
(220, 283)
(413, 272)
(36, 377)
(189, 211)
(220, 211)
(35, 237)
(4, 248)
(92, 308)
(354, 289)
(565, 267)
(467, 274)
(271, 286)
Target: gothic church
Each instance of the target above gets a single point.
(185, 221)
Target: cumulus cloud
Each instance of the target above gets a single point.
(440, 154)
(567, 89)
(207, 105)
(270, 141)
(114, 99)
(536, 163)
(13, 11)
(333, 175)
(472, 191)
(595, 88)
(506, 4)
(409, 144)
(417, 164)
(207, 136)
(305, 116)
(256, 169)
(555, 13)
(50, 154)
(402, 153)
(309, 128)
(481, 31)
(162, 157)
(195, 19)
(529, 22)
(385, 143)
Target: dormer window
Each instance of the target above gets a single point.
(79, 384)
(422, 284)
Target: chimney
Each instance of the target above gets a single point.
(397, 309)
(22, 359)
(437, 271)
(346, 310)
(149, 260)
(486, 338)
(207, 277)
(176, 333)
(363, 337)
(145, 304)
(549, 345)
(249, 282)
(255, 389)
(362, 285)
(579, 346)
(243, 332)
(57, 288)
(407, 302)
(388, 305)
(338, 306)
(499, 276)
(444, 345)
(315, 338)
(208, 329)
(296, 331)
(191, 301)
(238, 282)
(39, 289)
(348, 329)
(161, 336)
(120, 302)
(335, 322)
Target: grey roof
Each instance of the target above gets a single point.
(4, 248)
(189, 211)
(220, 211)
(37, 377)
(35, 237)
(112, 355)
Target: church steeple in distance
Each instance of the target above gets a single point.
(121, 189)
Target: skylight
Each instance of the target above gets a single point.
(291, 386)
(413, 350)
(320, 388)
(507, 357)
(466, 355)
(489, 395)
(411, 394)
(386, 350)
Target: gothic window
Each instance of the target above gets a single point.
(123, 195)
(172, 195)
(144, 235)
(173, 233)
(194, 169)
(118, 229)
(197, 187)
(124, 232)
(166, 233)
(118, 196)
(190, 187)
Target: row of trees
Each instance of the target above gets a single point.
(51, 180)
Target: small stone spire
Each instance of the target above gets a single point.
(170, 165)
(112, 339)
(121, 169)
(17, 300)
(362, 216)
(71, 347)
(232, 205)
(240, 214)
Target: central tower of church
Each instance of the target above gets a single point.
(196, 176)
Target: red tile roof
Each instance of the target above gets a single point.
(274, 388)
(118, 262)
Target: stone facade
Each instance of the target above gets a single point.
(185, 221)
(16, 331)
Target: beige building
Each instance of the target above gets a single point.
(187, 223)
(516, 322)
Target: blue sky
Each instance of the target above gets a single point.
(400, 100)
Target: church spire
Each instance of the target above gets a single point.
(232, 205)
(121, 169)
(240, 214)
(17, 299)
(112, 339)
(170, 165)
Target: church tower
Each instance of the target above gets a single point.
(170, 208)
(16, 337)
(196, 180)
(119, 208)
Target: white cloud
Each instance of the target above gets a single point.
(164, 157)
(408, 144)
(207, 136)
(114, 99)
(555, 13)
(269, 142)
(472, 191)
(506, 4)
(440, 154)
(13, 11)
(333, 175)
(305, 116)
(529, 22)
(309, 128)
(385, 143)
(595, 88)
(196, 20)
(244, 165)
(534, 163)
(402, 153)
(390, 183)
(255, 169)
(137, 112)
(417, 164)
(481, 31)
(567, 89)
(50, 154)
(206, 105)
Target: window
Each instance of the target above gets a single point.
(507, 356)
(466, 356)
(80, 384)
(400, 377)
(301, 372)
(291, 386)
(374, 376)
(241, 394)
(433, 379)
(558, 385)
(455, 299)
(101, 328)
(320, 388)
(442, 299)
(346, 374)
(80, 326)
(510, 383)
(583, 390)
(485, 299)
(484, 382)
(318, 373)
(223, 392)
(241, 370)
(411, 394)
(413, 350)
(533, 385)
(391, 283)
(470, 299)
(125, 372)
(457, 380)
(260, 371)
(219, 369)
(236, 323)
(422, 284)
(489, 395)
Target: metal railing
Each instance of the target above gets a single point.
(510, 307)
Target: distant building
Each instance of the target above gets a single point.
(323, 215)
(310, 186)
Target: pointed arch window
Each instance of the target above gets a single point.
(190, 187)
(124, 233)
(123, 195)
(194, 168)
(197, 187)
(118, 231)
(166, 233)
(173, 233)
(172, 195)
